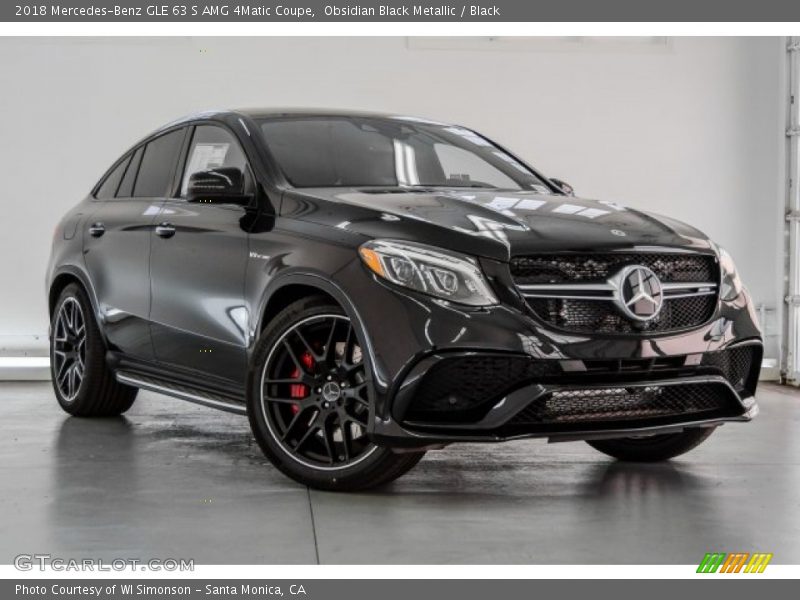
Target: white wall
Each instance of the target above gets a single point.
(691, 129)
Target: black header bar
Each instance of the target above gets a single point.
(392, 10)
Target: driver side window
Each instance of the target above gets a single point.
(214, 147)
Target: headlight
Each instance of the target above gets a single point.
(428, 270)
(731, 282)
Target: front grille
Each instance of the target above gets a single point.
(545, 273)
(593, 268)
(465, 388)
(587, 316)
(621, 404)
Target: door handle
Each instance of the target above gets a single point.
(97, 229)
(165, 230)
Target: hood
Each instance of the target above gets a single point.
(491, 224)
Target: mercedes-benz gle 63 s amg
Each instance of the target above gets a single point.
(369, 287)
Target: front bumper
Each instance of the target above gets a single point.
(444, 373)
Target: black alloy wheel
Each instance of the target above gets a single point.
(314, 393)
(84, 384)
(69, 349)
(310, 402)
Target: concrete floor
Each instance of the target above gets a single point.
(174, 480)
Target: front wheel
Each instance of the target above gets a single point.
(309, 402)
(652, 448)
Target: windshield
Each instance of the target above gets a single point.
(385, 152)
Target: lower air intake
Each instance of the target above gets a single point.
(628, 404)
(737, 365)
(463, 389)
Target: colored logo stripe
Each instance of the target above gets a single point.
(758, 563)
(735, 562)
(711, 562)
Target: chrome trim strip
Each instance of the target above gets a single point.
(607, 287)
(591, 287)
(181, 394)
(660, 250)
(557, 296)
(689, 285)
(562, 291)
(690, 294)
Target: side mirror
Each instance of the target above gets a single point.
(563, 186)
(218, 186)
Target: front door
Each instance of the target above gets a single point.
(197, 269)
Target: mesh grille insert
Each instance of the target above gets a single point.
(626, 404)
(594, 268)
(602, 317)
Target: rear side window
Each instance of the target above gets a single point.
(158, 164)
(126, 187)
(108, 188)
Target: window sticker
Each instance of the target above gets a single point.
(204, 158)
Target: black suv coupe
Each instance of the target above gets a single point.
(368, 287)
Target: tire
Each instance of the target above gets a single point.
(308, 383)
(83, 383)
(653, 448)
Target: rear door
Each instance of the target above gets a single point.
(198, 262)
(118, 237)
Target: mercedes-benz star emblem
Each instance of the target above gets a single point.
(331, 391)
(638, 293)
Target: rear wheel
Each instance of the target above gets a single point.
(652, 448)
(82, 381)
(309, 402)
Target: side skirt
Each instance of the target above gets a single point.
(183, 392)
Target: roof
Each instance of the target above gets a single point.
(262, 113)
(258, 113)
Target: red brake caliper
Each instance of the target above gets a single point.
(299, 391)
